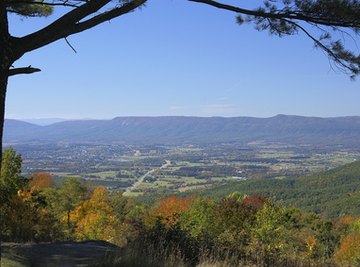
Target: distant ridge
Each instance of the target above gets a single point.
(44, 122)
(179, 130)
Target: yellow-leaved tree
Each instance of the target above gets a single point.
(95, 218)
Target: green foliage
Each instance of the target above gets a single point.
(282, 18)
(24, 213)
(269, 236)
(237, 230)
(71, 193)
(119, 204)
(333, 194)
(244, 231)
(355, 226)
(198, 221)
(34, 210)
(10, 179)
(233, 220)
(29, 221)
(32, 8)
(10, 183)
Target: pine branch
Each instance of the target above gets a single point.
(328, 21)
(29, 2)
(72, 23)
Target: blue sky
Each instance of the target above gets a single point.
(177, 58)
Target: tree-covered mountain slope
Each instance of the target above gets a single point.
(332, 193)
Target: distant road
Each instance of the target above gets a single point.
(142, 178)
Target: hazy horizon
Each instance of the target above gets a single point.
(165, 115)
(47, 120)
(154, 62)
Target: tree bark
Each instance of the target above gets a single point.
(13, 48)
(69, 225)
(5, 63)
(3, 86)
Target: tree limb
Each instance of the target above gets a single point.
(25, 70)
(68, 43)
(58, 28)
(330, 53)
(70, 23)
(17, 2)
(280, 15)
(287, 21)
(106, 16)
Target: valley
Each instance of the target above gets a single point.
(148, 169)
(163, 155)
(127, 191)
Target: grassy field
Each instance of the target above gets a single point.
(266, 162)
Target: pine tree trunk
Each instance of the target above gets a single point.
(3, 86)
(5, 63)
(68, 221)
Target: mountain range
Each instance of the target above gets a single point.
(191, 130)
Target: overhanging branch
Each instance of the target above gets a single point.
(287, 21)
(73, 22)
(281, 15)
(328, 51)
(21, 2)
(106, 16)
(59, 28)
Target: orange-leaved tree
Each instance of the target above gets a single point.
(349, 250)
(169, 210)
(36, 183)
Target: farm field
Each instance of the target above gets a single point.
(189, 167)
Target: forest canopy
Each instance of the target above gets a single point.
(237, 229)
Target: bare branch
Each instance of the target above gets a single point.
(68, 43)
(25, 70)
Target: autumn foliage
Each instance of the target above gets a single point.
(27, 215)
(95, 218)
(238, 230)
(255, 202)
(348, 219)
(349, 250)
(37, 182)
(169, 210)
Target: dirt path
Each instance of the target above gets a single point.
(62, 254)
